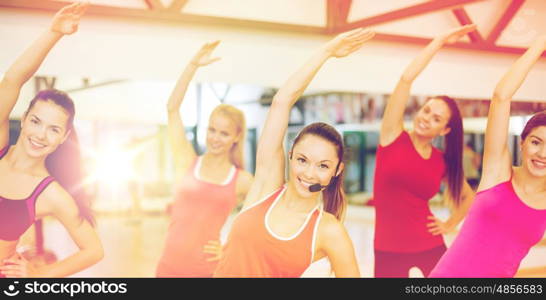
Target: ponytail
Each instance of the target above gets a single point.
(453, 153)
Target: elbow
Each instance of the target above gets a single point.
(287, 97)
(9, 80)
(407, 77)
(171, 109)
(283, 101)
(96, 254)
(501, 96)
(503, 92)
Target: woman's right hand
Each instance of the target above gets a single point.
(202, 57)
(456, 34)
(348, 42)
(66, 21)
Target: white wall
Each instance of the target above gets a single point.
(157, 51)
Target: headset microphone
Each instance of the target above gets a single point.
(316, 187)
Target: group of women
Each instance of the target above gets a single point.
(292, 214)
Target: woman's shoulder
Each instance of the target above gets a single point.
(244, 176)
(55, 194)
(329, 225)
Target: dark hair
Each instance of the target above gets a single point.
(453, 152)
(333, 196)
(64, 164)
(538, 119)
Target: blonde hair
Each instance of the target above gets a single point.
(236, 153)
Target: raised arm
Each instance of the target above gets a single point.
(65, 22)
(270, 155)
(182, 149)
(393, 117)
(496, 158)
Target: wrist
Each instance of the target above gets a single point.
(40, 272)
(54, 33)
(325, 51)
(450, 225)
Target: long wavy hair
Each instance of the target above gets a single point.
(64, 164)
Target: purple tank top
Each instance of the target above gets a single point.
(16, 216)
(497, 234)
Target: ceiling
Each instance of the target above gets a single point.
(505, 26)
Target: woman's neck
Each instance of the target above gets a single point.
(527, 182)
(219, 160)
(20, 161)
(293, 201)
(420, 142)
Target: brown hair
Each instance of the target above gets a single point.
(453, 151)
(64, 164)
(537, 120)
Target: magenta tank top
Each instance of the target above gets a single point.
(16, 216)
(497, 234)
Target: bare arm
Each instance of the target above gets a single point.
(56, 202)
(182, 149)
(496, 158)
(393, 118)
(65, 22)
(335, 243)
(270, 155)
(436, 226)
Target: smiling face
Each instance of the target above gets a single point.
(432, 119)
(222, 134)
(43, 128)
(314, 160)
(533, 152)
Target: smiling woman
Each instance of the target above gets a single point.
(40, 174)
(287, 225)
(509, 213)
(208, 186)
(406, 232)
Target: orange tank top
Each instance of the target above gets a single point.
(198, 214)
(254, 250)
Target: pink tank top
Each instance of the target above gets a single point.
(497, 234)
(199, 212)
(17, 215)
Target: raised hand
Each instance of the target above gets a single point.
(66, 21)
(456, 34)
(348, 42)
(203, 56)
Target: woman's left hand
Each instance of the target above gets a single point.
(437, 226)
(18, 267)
(215, 248)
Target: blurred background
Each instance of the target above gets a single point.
(123, 62)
